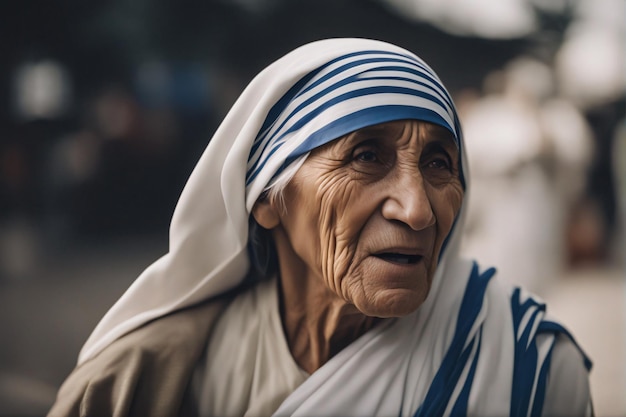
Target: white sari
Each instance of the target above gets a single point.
(473, 348)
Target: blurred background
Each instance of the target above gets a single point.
(106, 105)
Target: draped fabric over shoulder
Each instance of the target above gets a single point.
(475, 347)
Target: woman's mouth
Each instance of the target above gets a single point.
(399, 258)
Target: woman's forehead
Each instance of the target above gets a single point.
(395, 129)
(399, 125)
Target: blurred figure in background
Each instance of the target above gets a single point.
(619, 169)
(529, 152)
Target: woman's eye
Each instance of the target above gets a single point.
(439, 163)
(366, 156)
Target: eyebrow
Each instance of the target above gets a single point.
(446, 143)
(442, 136)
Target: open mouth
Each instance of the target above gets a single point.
(399, 258)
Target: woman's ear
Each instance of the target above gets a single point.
(265, 214)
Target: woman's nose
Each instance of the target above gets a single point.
(408, 202)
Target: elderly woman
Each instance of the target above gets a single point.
(314, 270)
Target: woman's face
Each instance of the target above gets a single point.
(367, 214)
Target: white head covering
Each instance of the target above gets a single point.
(312, 95)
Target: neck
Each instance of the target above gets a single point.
(317, 322)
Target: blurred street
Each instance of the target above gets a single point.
(45, 320)
(591, 303)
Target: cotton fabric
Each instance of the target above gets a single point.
(256, 376)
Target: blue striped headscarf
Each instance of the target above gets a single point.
(350, 92)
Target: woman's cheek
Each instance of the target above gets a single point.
(336, 253)
(336, 240)
(449, 204)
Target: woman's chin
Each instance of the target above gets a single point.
(393, 303)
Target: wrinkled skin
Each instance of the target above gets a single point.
(360, 232)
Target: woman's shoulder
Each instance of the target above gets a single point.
(545, 354)
(151, 362)
(568, 392)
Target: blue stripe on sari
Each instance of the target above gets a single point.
(436, 93)
(460, 407)
(359, 92)
(542, 383)
(280, 105)
(548, 326)
(525, 357)
(303, 120)
(421, 73)
(455, 359)
(390, 56)
(356, 78)
(350, 123)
